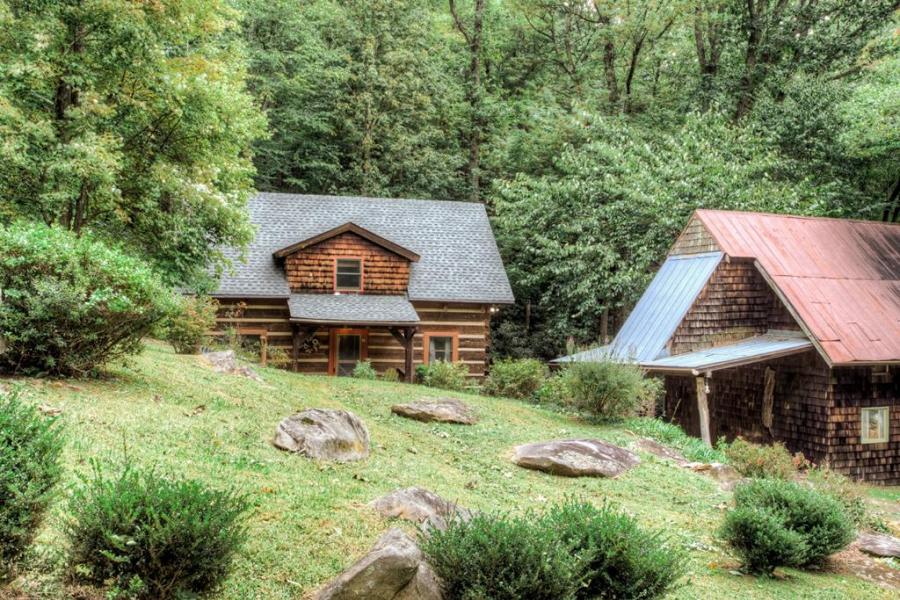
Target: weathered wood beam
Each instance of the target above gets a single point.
(703, 410)
(405, 336)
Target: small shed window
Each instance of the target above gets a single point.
(348, 274)
(875, 425)
(442, 346)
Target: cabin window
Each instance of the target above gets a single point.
(875, 425)
(441, 347)
(348, 274)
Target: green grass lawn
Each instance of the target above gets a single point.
(311, 520)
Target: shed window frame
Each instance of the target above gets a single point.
(865, 416)
(359, 262)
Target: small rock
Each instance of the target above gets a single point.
(654, 447)
(442, 410)
(49, 411)
(877, 544)
(324, 434)
(226, 362)
(726, 475)
(394, 568)
(576, 458)
(419, 506)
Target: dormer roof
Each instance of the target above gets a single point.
(349, 227)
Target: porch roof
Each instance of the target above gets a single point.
(352, 309)
(772, 344)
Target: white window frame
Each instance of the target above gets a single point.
(864, 416)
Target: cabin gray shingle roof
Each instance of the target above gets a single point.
(459, 261)
(352, 308)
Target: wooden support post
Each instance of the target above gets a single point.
(703, 410)
(405, 336)
(263, 349)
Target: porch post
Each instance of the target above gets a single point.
(295, 350)
(703, 410)
(409, 334)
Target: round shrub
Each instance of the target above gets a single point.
(501, 557)
(554, 390)
(759, 461)
(621, 561)
(444, 375)
(515, 378)
(364, 370)
(169, 538)
(186, 328)
(30, 447)
(72, 303)
(610, 390)
(780, 523)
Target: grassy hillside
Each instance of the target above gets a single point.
(311, 520)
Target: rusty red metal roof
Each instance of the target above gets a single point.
(840, 278)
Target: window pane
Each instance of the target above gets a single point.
(349, 274)
(874, 425)
(440, 348)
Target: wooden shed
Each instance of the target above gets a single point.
(775, 327)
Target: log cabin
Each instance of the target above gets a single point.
(331, 281)
(774, 327)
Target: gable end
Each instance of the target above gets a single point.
(694, 239)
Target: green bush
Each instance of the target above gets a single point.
(692, 448)
(849, 494)
(30, 447)
(72, 303)
(187, 328)
(574, 551)
(391, 375)
(171, 538)
(620, 560)
(759, 461)
(780, 523)
(501, 557)
(610, 390)
(511, 378)
(364, 370)
(445, 375)
(554, 390)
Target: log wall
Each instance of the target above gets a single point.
(311, 270)
(736, 303)
(468, 322)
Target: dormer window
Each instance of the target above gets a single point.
(348, 275)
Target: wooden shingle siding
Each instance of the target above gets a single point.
(736, 303)
(694, 239)
(855, 389)
(801, 408)
(311, 270)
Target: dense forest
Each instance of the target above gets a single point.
(589, 129)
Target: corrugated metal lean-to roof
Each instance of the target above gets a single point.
(673, 290)
(772, 344)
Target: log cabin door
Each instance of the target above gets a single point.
(347, 347)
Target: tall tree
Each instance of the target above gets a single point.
(473, 32)
(128, 118)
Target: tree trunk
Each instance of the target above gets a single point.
(609, 68)
(474, 40)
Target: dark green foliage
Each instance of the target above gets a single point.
(502, 557)
(364, 370)
(30, 448)
(187, 328)
(515, 378)
(72, 303)
(609, 390)
(173, 537)
(779, 523)
(759, 460)
(621, 560)
(444, 375)
(574, 551)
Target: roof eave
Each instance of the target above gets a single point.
(349, 227)
(343, 323)
(729, 364)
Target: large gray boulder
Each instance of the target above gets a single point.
(576, 458)
(878, 544)
(653, 447)
(442, 410)
(393, 569)
(419, 506)
(324, 434)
